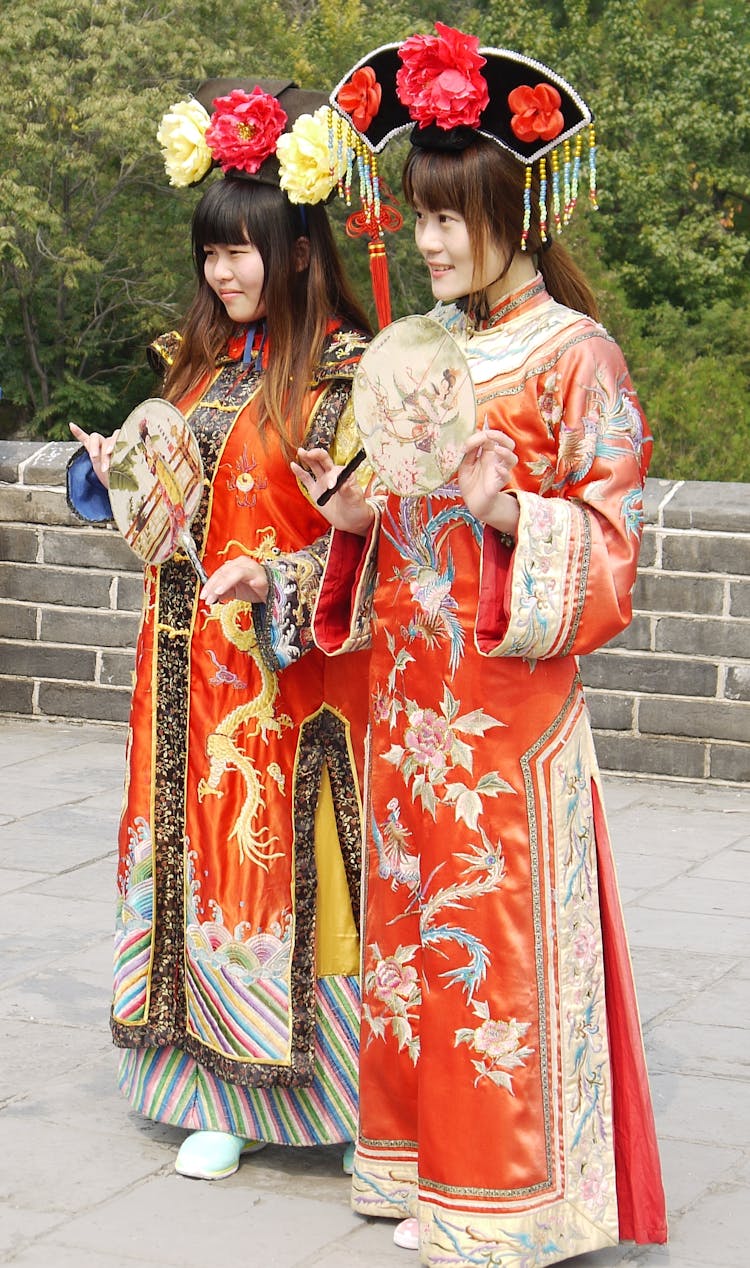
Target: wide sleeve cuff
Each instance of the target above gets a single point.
(344, 609)
(87, 496)
(283, 623)
(531, 597)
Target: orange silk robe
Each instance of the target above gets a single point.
(503, 1093)
(215, 954)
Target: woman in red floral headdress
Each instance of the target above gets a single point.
(504, 1100)
(236, 976)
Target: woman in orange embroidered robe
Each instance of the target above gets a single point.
(236, 992)
(504, 1102)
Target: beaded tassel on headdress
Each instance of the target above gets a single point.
(348, 152)
(558, 198)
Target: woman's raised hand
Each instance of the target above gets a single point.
(348, 509)
(483, 476)
(241, 578)
(99, 449)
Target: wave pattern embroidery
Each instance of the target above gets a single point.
(238, 983)
(134, 927)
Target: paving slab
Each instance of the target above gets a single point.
(59, 838)
(87, 1183)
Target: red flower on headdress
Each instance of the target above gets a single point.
(536, 113)
(360, 97)
(244, 129)
(439, 81)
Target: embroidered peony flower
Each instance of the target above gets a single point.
(360, 97)
(182, 137)
(439, 81)
(392, 978)
(594, 1184)
(499, 1038)
(305, 159)
(244, 129)
(429, 737)
(585, 947)
(536, 113)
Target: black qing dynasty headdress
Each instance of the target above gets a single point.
(447, 91)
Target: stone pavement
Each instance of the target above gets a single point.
(86, 1183)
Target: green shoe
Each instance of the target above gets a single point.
(347, 1162)
(213, 1155)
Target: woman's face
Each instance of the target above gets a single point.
(236, 275)
(442, 239)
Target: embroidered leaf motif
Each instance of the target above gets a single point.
(449, 706)
(402, 1031)
(462, 755)
(500, 1078)
(394, 755)
(376, 1024)
(491, 784)
(426, 793)
(469, 808)
(477, 722)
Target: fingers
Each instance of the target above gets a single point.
(107, 448)
(492, 453)
(315, 466)
(318, 457)
(99, 448)
(489, 439)
(239, 579)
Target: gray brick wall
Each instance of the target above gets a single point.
(69, 596)
(669, 697)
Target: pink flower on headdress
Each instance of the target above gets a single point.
(536, 113)
(360, 97)
(439, 81)
(244, 129)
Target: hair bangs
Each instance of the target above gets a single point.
(234, 211)
(222, 216)
(435, 180)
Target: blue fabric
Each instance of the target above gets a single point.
(248, 356)
(87, 495)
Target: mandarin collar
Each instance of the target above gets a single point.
(511, 305)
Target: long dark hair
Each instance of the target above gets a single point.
(484, 184)
(299, 301)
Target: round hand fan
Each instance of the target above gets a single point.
(414, 404)
(156, 483)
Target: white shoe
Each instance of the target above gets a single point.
(210, 1155)
(406, 1234)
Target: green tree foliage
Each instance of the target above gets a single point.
(93, 243)
(94, 254)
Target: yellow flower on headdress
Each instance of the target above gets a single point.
(305, 160)
(182, 137)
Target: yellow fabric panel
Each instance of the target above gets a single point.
(337, 941)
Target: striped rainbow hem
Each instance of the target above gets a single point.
(168, 1085)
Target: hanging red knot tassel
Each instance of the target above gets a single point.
(364, 222)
